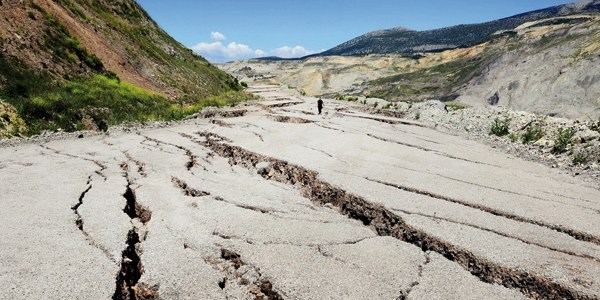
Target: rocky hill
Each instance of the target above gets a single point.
(547, 67)
(54, 53)
(403, 40)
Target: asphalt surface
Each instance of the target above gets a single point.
(282, 203)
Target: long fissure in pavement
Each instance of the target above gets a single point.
(192, 159)
(75, 208)
(250, 281)
(385, 222)
(127, 281)
(573, 233)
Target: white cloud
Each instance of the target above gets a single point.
(217, 51)
(289, 52)
(217, 36)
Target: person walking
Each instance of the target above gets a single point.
(320, 105)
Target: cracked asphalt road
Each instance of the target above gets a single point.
(271, 201)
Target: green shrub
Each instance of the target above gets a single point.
(582, 157)
(563, 139)
(344, 97)
(513, 137)
(532, 134)
(500, 127)
(387, 106)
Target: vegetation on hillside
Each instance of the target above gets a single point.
(178, 66)
(76, 91)
(93, 102)
(66, 48)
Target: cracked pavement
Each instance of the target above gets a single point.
(272, 201)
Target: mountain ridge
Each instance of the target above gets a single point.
(400, 41)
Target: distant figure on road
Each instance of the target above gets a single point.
(320, 105)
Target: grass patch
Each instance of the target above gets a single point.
(47, 104)
(403, 91)
(455, 106)
(103, 100)
(500, 127)
(231, 98)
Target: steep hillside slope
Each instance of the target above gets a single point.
(548, 70)
(547, 67)
(111, 50)
(402, 40)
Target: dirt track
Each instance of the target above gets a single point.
(277, 202)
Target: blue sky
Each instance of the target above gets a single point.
(223, 30)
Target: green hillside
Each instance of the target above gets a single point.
(72, 65)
